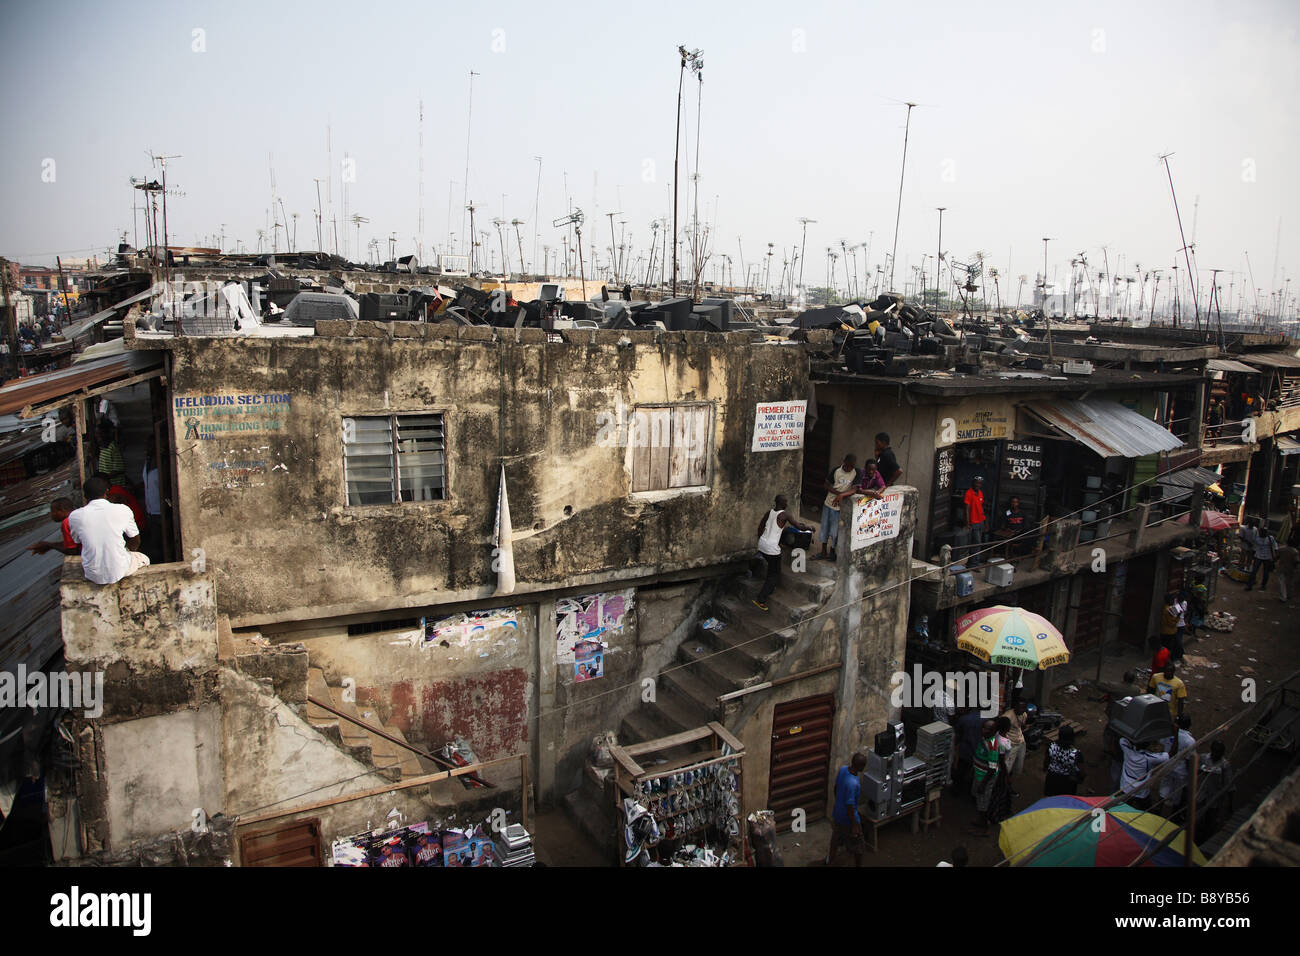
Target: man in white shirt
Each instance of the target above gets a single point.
(839, 485)
(1139, 764)
(108, 536)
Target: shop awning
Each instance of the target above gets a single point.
(1229, 365)
(1287, 446)
(1108, 428)
(1272, 359)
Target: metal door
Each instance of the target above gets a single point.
(801, 758)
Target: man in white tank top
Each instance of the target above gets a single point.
(769, 546)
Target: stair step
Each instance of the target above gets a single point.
(725, 670)
(318, 716)
(785, 606)
(382, 752)
(643, 724)
(759, 648)
(688, 682)
(354, 738)
(594, 817)
(408, 761)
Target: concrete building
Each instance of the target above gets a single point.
(336, 501)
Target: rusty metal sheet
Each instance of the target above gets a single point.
(1108, 428)
(67, 381)
(801, 758)
(1271, 359)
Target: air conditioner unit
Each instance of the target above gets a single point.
(1071, 367)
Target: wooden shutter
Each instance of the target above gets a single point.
(293, 844)
(688, 467)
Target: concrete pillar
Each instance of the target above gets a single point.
(550, 724)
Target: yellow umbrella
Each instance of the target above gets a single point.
(1012, 637)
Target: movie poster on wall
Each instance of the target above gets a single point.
(584, 627)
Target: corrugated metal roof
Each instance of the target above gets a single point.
(1288, 446)
(1186, 477)
(1228, 365)
(1108, 428)
(1272, 359)
(67, 381)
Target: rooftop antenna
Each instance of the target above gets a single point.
(419, 229)
(320, 227)
(1047, 311)
(464, 199)
(537, 224)
(519, 237)
(899, 214)
(695, 60)
(161, 161)
(357, 220)
(505, 263)
(1191, 277)
(804, 220)
(574, 220)
(613, 243)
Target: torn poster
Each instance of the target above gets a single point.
(591, 619)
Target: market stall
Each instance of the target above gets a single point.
(685, 811)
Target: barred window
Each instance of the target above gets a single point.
(394, 458)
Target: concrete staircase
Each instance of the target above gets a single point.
(395, 762)
(710, 663)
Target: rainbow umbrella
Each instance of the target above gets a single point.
(1011, 637)
(1115, 837)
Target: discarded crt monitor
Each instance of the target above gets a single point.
(1142, 719)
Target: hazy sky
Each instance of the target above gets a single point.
(1037, 120)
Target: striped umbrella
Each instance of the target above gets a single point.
(1011, 637)
(1114, 837)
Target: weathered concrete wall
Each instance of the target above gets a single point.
(481, 690)
(153, 755)
(153, 635)
(863, 627)
(268, 506)
(660, 620)
(158, 770)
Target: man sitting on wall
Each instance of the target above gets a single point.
(108, 536)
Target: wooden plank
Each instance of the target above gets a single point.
(659, 437)
(701, 446)
(678, 466)
(624, 760)
(640, 463)
(727, 736)
(667, 743)
(377, 791)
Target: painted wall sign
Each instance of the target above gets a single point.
(1022, 461)
(877, 519)
(778, 426)
(205, 417)
(983, 425)
(583, 628)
